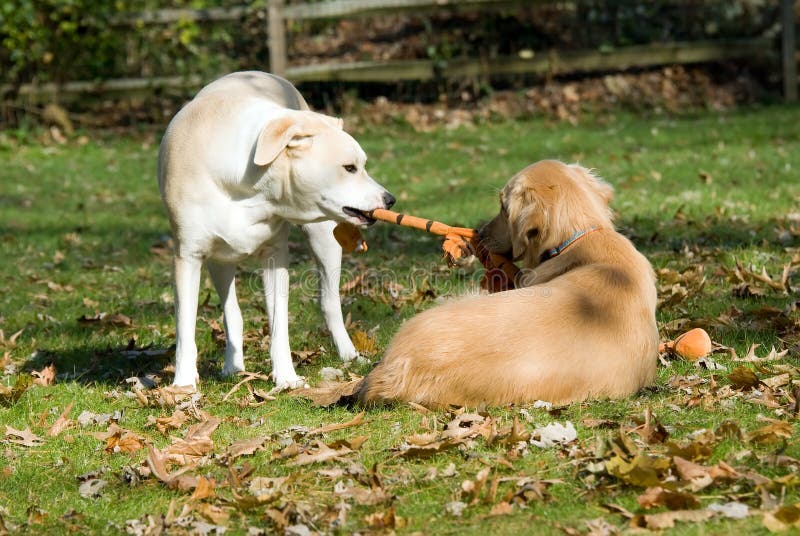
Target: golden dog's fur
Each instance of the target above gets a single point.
(581, 324)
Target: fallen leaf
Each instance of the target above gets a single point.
(245, 447)
(157, 463)
(105, 319)
(204, 489)
(46, 376)
(699, 476)
(455, 508)
(9, 396)
(731, 510)
(500, 509)
(666, 520)
(673, 500)
(743, 378)
(165, 424)
(90, 489)
(195, 444)
(783, 518)
(364, 342)
(321, 453)
(384, 521)
(363, 496)
(24, 438)
(553, 434)
(62, 422)
(123, 441)
(776, 431)
(213, 513)
(355, 421)
(642, 470)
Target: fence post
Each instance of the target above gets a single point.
(789, 50)
(276, 38)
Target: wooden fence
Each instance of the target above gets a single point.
(545, 62)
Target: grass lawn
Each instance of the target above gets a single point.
(85, 284)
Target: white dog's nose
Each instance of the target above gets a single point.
(388, 200)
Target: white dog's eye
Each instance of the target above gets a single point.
(350, 168)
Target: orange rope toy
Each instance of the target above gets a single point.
(459, 242)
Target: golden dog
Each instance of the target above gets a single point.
(581, 323)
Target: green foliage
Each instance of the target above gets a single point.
(52, 40)
(59, 40)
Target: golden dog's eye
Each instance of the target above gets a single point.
(350, 168)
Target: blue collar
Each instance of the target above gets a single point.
(558, 250)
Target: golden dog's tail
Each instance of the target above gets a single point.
(372, 391)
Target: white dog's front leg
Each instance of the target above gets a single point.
(276, 289)
(187, 287)
(328, 254)
(224, 276)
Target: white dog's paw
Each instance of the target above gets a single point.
(287, 383)
(348, 353)
(232, 369)
(185, 378)
(345, 348)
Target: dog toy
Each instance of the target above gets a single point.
(692, 345)
(459, 242)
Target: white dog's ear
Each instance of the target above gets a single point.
(335, 122)
(276, 136)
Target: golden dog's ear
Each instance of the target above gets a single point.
(276, 136)
(527, 228)
(601, 187)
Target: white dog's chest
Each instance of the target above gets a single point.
(240, 232)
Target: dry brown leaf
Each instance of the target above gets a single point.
(500, 509)
(193, 448)
(751, 357)
(322, 453)
(62, 422)
(699, 448)
(24, 438)
(743, 378)
(673, 500)
(105, 319)
(353, 443)
(213, 513)
(642, 470)
(157, 462)
(204, 489)
(46, 376)
(197, 442)
(10, 395)
(364, 342)
(124, 441)
(385, 521)
(599, 423)
(307, 357)
(169, 396)
(773, 432)
(364, 496)
(245, 447)
(165, 424)
(783, 519)
(698, 476)
(666, 520)
(355, 421)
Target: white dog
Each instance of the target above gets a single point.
(238, 164)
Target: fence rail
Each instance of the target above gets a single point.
(542, 62)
